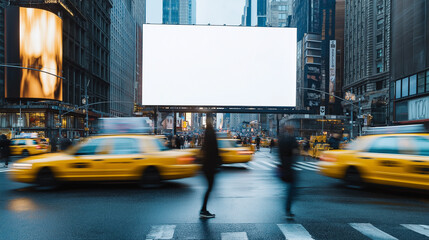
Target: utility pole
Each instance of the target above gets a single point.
(86, 109)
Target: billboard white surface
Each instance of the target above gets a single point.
(186, 65)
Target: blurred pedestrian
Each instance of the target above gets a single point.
(288, 149)
(54, 143)
(65, 143)
(210, 161)
(272, 143)
(334, 141)
(5, 149)
(258, 142)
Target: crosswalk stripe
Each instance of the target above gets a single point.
(4, 170)
(295, 231)
(313, 163)
(304, 167)
(309, 165)
(161, 232)
(234, 236)
(296, 169)
(422, 229)
(372, 232)
(258, 165)
(269, 164)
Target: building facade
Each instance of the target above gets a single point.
(367, 58)
(123, 59)
(409, 86)
(179, 12)
(280, 13)
(315, 23)
(139, 14)
(86, 72)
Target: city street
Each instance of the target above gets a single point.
(248, 201)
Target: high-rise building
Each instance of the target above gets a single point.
(315, 23)
(256, 13)
(2, 56)
(279, 13)
(179, 11)
(409, 86)
(367, 56)
(123, 59)
(139, 14)
(85, 68)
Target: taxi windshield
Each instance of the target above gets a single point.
(227, 144)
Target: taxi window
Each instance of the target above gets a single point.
(21, 142)
(34, 142)
(422, 145)
(152, 145)
(385, 145)
(227, 144)
(14, 142)
(125, 146)
(91, 147)
(161, 144)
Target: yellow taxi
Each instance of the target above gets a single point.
(390, 159)
(27, 147)
(142, 158)
(231, 152)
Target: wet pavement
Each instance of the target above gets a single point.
(248, 200)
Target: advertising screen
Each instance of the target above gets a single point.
(33, 40)
(186, 65)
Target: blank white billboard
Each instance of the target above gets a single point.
(185, 65)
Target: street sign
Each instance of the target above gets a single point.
(322, 110)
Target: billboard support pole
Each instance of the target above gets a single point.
(20, 116)
(174, 123)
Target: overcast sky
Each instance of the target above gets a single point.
(215, 12)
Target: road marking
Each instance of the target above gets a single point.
(260, 166)
(309, 165)
(270, 164)
(296, 169)
(5, 170)
(372, 232)
(422, 229)
(295, 231)
(304, 167)
(234, 236)
(161, 232)
(316, 164)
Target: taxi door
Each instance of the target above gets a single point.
(87, 162)
(124, 159)
(417, 170)
(387, 163)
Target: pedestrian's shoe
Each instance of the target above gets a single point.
(290, 216)
(206, 214)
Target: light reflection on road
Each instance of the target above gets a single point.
(22, 205)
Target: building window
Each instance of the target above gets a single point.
(413, 85)
(379, 38)
(427, 81)
(282, 15)
(398, 89)
(379, 67)
(380, 23)
(405, 87)
(283, 8)
(379, 9)
(421, 83)
(379, 53)
(379, 85)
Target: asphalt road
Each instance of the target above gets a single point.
(248, 200)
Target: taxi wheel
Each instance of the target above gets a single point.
(150, 176)
(25, 153)
(46, 179)
(353, 179)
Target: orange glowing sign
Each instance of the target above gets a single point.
(40, 47)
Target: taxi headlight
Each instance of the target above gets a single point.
(22, 165)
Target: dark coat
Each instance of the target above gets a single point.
(210, 152)
(287, 145)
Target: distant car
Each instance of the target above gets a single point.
(108, 158)
(391, 159)
(27, 147)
